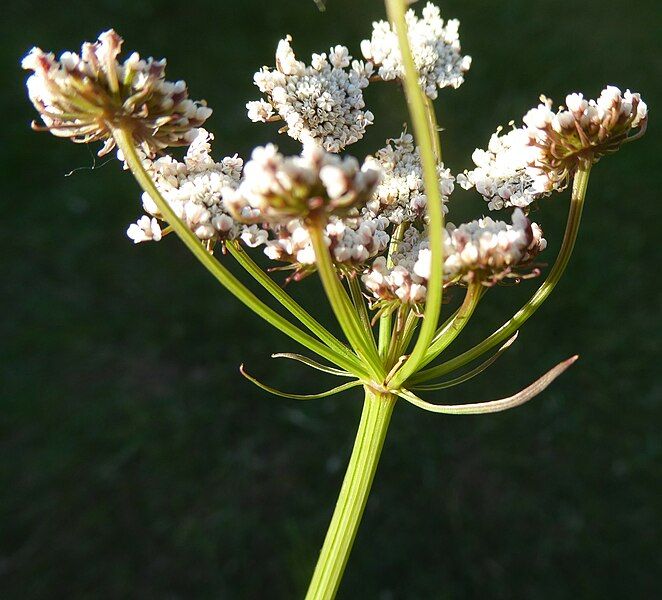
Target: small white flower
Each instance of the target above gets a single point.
(194, 190)
(435, 48)
(323, 101)
(259, 111)
(575, 103)
(144, 229)
(400, 196)
(504, 174)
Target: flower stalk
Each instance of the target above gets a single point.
(293, 307)
(361, 339)
(424, 136)
(579, 188)
(125, 143)
(385, 321)
(375, 419)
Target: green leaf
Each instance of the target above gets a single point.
(470, 374)
(266, 388)
(495, 405)
(311, 363)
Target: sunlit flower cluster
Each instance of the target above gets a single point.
(352, 242)
(585, 130)
(435, 47)
(488, 251)
(193, 189)
(504, 174)
(484, 251)
(82, 96)
(274, 201)
(322, 101)
(400, 196)
(369, 230)
(282, 188)
(401, 282)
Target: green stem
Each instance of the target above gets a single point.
(447, 334)
(341, 304)
(230, 282)
(407, 334)
(423, 135)
(385, 320)
(397, 334)
(434, 128)
(375, 418)
(579, 186)
(292, 306)
(358, 301)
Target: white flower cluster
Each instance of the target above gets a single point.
(400, 196)
(435, 48)
(405, 282)
(585, 130)
(352, 242)
(282, 188)
(323, 101)
(77, 96)
(487, 250)
(193, 189)
(504, 174)
(484, 250)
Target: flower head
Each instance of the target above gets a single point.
(83, 97)
(194, 190)
(323, 101)
(400, 283)
(283, 188)
(400, 196)
(352, 242)
(504, 173)
(484, 251)
(488, 251)
(435, 48)
(584, 131)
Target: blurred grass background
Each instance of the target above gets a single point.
(136, 463)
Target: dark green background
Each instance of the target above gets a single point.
(136, 463)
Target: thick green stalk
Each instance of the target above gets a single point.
(230, 282)
(375, 418)
(422, 132)
(360, 338)
(292, 306)
(579, 186)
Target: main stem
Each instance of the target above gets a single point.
(375, 418)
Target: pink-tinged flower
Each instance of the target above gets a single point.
(583, 132)
(277, 189)
(83, 97)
